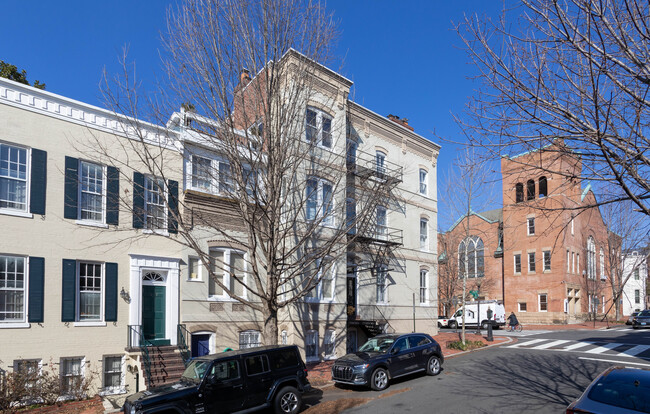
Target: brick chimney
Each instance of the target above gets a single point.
(402, 121)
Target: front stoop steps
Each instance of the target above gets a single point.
(166, 365)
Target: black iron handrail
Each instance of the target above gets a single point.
(182, 338)
(135, 332)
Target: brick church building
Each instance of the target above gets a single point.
(542, 254)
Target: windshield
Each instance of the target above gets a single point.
(377, 345)
(196, 370)
(644, 313)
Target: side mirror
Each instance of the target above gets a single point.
(395, 350)
(213, 380)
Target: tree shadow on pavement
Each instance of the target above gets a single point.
(530, 382)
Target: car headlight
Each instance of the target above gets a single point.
(360, 367)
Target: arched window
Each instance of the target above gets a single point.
(519, 189)
(153, 277)
(543, 188)
(470, 257)
(530, 190)
(591, 258)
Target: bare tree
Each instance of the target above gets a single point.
(570, 72)
(625, 249)
(247, 71)
(466, 192)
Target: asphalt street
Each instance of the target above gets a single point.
(542, 372)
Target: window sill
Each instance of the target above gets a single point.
(425, 305)
(312, 359)
(113, 392)
(382, 304)
(94, 323)
(16, 213)
(222, 299)
(194, 280)
(532, 273)
(322, 301)
(158, 232)
(92, 224)
(13, 325)
(329, 357)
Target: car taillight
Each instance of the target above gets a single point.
(577, 411)
(306, 372)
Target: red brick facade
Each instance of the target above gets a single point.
(543, 274)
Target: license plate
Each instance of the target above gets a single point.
(642, 323)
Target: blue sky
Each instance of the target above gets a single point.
(403, 56)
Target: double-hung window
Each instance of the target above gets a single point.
(229, 268)
(424, 177)
(531, 262)
(424, 234)
(329, 344)
(113, 375)
(382, 287)
(424, 287)
(202, 176)
(311, 345)
(249, 339)
(517, 263)
(155, 210)
(209, 174)
(547, 260)
(92, 189)
(543, 302)
(531, 226)
(380, 163)
(318, 125)
(13, 178)
(12, 289)
(71, 372)
(319, 200)
(318, 279)
(382, 228)
(90, 292)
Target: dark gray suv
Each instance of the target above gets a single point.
(244, 380)
(388, 356)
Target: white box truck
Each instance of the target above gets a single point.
(472, 318)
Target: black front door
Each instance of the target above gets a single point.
(200, 345)
(224, 388)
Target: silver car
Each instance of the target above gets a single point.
(617, 390)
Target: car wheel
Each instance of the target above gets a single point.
(439, 325)
(635, 327)
(452, 324)
(287, 401)
(379, 379)
(484, 325)
(433, 366)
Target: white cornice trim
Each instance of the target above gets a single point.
(56, 106)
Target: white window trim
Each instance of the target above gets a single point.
(425, 182)
(424, 244)
(319, 127)
(425, 287)
(539, 302)
(111, 390)
(28, 184)
(312, 358)
(226, 276)
(519, 307)
(533, 262)
(318, 289)
(550, 259)
(215, 165)
(82, 373)
(514, 263)
(325, 221)
(385, 287)
(284, 337)
(530, 220)
(199, 269)
(164, 229)
(86, 222)
(24, 323)
(100, 321)
(330, 335)
(252, 332)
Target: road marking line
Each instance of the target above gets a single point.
(532, 341)
(576, 346)
(636, 350)
(551, 344)
(616, 362)
(601, 349)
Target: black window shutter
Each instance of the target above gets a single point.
(36, 289)
(69, 291)
(110, 296)
(138, 200)
(71, 188)
(172, 201)
(39, 181)
(112, 195)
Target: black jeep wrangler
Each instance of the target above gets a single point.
(244, 380)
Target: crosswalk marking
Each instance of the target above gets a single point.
(526, 343)
(635, 350)
(589, 347)
(577, 345)
(604, 348)
(551, 344)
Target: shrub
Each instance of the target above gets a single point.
(468, 345)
